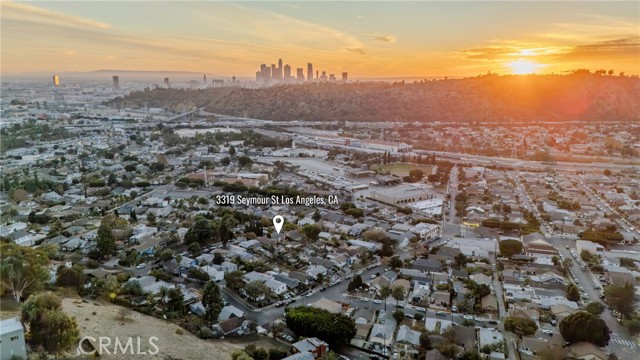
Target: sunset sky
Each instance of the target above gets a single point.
(365, 38)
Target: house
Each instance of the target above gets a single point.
(12, 339)
(548, 280)
(427, 265)
(230, 327)
(382, 334)
(331, 306)
(229, 312)
(407, 336)
(215, 274)
(276, 286)
(489, 303)
(536, 246)
(488, 336)
(300, 356)
(481, 278)
(313, 271)
(312, 345)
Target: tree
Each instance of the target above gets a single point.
(232, 150)
(519, 326)
(151, 218)
(49, 327)
(573, 294)
(105, 242)
(19, 195)
(395, 262)
(133, 217)
(416, 174)
(256, 289)
(234, 280)
(175, 302)
(509, 248)
(311, 232)
(620, 298)
(583, 326)
(398, 316)
(606, 172)
(336, 329)
(278, 328)
(23, 269)
(585, 255)
(212, 301)
(595, 308)
(355, 283)
(195, 249)
(385, 292)
(398, 293)
(633, 326)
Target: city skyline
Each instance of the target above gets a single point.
(377, 39)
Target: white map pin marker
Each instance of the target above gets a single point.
(278, 221)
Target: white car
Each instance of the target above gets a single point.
(364, 299)
(548, 332)
(467, 317)
(377, 301)
(141, 266)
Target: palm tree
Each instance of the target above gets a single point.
(398, 293)
(385, 292)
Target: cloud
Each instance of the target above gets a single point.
(384, 38)
(612, 49)
(360, 51)
(28, 13)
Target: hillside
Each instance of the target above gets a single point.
(586, 97)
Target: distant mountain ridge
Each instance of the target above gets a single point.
(586, 97)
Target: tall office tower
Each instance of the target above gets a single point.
(345, 77)
(233, 79)
(287, 72)
(332, 77)
(300, 74)
(116, 83)
(317, 77)
(166, 82)
(324, 76)
(258, 76)
(274, 72)
(56, 80)
(309, 72)
(279, 76)
(266, 73)
(204, 79)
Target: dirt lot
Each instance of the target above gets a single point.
(171, 345)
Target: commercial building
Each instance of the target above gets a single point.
(287, 72)
(300, 74)
(345, 77)
(404, 194)
(116, 83)
(309, 72)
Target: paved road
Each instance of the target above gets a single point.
(622, 344)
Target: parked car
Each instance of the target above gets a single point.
(441, 313)
(548, 332)
(377, 301)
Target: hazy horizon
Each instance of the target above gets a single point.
(369, 40)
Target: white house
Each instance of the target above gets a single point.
(215, 274)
